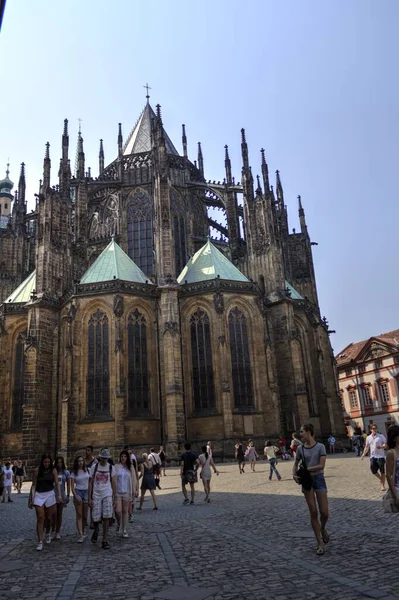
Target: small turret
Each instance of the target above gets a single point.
(302, 218)
(120, 140)
(279, 191)
(22, 184)
(81, 158)
(259, 192)
(227, 165)
(265, 172)
(101, 159)
(200, 159)
(46, 168)
(184, 141)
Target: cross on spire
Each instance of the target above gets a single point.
(147, 87)
(80, 125)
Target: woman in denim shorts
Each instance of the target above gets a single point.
(312, 456)
(80, 489)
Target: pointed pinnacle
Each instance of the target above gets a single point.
(47, 154)
(159, 115)
(183, 130)
(101, 153)
(120, 129)
(226, 153)
(258, 180)
(65, 127)
(22, 170)
(262, 151)
(243, 140)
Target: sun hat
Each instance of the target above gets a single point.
(104, 453)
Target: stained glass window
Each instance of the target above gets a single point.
(138, 380)
(140, 244)
(98, 396)
(240, 360)
(18, 389)
(201, 356)
(179, 235)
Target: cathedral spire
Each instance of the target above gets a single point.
(259, 191)
(279, 191)
(22, 184)
(81, 158)
(65, 142)
(120, 140)
(101, 158)
(227, 164)
(301, 214)
(265, 172)
(247, 179)
(184, 141)
(46, 168)
(200, 159)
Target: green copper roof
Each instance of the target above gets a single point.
(24, 290)
(114, 263)
(209, 263)
(294, 294)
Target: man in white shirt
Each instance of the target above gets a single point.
(102, 495)
(376, 443)
(156, 462)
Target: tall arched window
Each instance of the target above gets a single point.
(179, 234)
(138, 380)
(140, 244)
(98, 403)
(18, 387)
(240, 360)
(201, 356)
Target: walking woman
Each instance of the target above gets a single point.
(392, 466)
(125, 491)
(64, 480)
(206, 462)
(8, 479)
(147, 481)
(80, 489)
(42, 497)
(162, 456)
(270, 453)
(251, 455)
(239, 451)
(312, 456)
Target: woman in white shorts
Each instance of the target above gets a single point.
(43, 498)
(126, 491)
(206, 462)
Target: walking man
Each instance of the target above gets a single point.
(189, 464)
(154, 459)
(376, 443)
(102, 495)
(331, 444)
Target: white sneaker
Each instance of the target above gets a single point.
(39, 546)
(58, 536)
(48, 538)
(125, 534)
(81, 539)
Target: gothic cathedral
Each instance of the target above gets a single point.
(123, 321)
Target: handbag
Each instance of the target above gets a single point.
(304, 476)
(389, 504)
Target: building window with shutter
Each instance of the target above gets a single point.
(98, 394)
(353, 399)
(201, 358)
(138, 378)
(384, 392)
(366, 396)
(348, 372)
(362, 368)
(240, 360)
(378, 364)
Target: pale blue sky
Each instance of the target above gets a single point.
(314, 83)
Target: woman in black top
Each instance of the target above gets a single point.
(42, 497)
(162, 456)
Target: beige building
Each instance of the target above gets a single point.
(368, 378)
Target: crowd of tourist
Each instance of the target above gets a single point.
(104, 493)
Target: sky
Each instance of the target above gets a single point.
(314, 83)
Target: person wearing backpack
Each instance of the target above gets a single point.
(102, 495)
(156, 462)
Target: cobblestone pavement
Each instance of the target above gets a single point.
(253, 541)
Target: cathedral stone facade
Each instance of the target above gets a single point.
(122, 321)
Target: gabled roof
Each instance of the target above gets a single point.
(209, 263)
(114, 263)
(23, 292)
(353, 351)
(140, 138)
(294, 294)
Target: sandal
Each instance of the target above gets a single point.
(320, 550)
(105, 545)
(324, 535)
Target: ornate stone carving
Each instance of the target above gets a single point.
(218, 301)
(118, 306)
(222, 340)
(171, 327)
